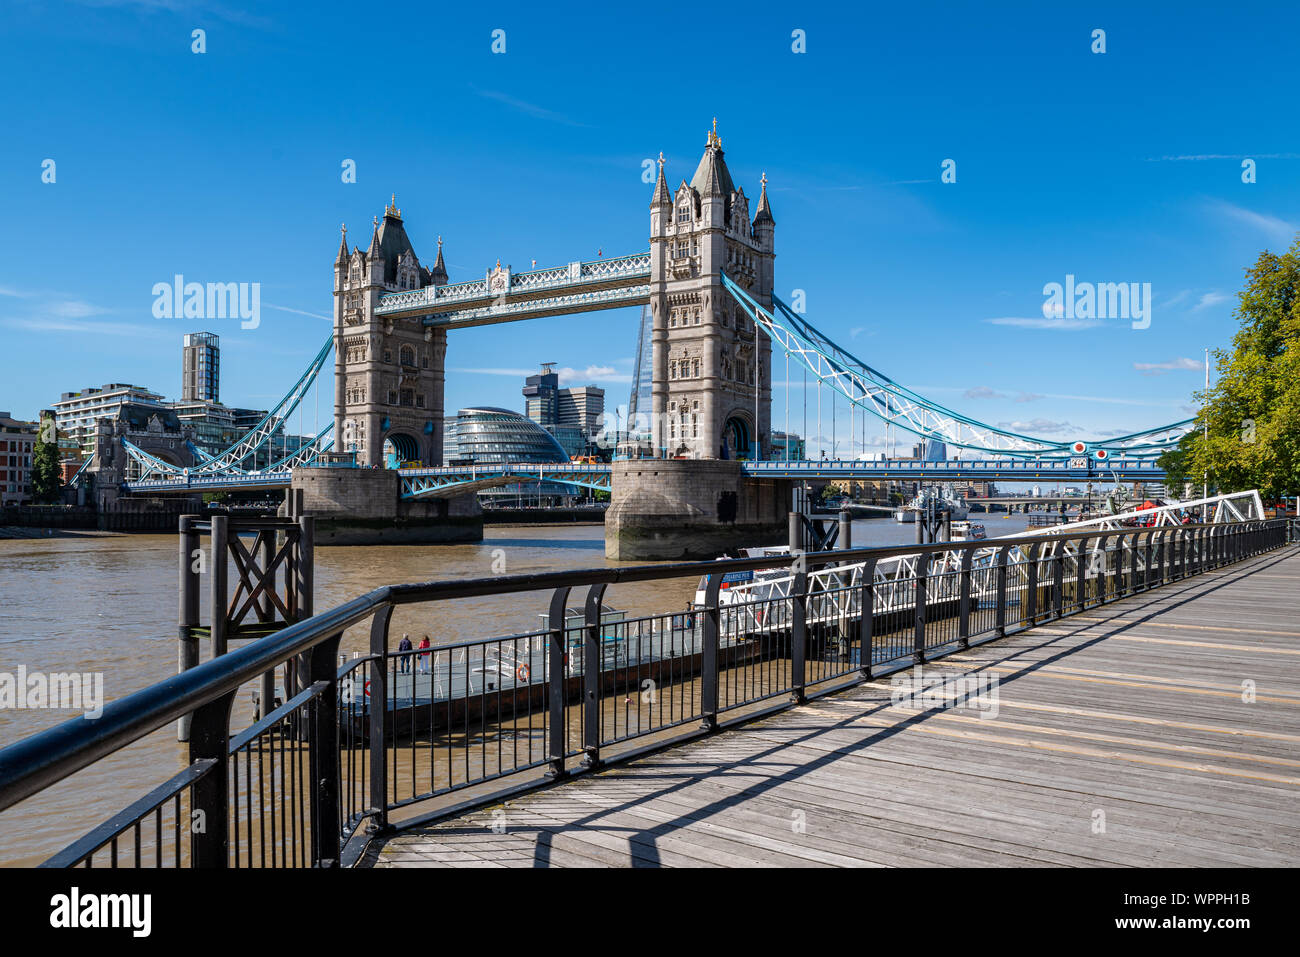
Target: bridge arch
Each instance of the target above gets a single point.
(737, 435)
(400, 447)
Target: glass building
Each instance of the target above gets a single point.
(490, 436)
(639, 404)
(201, 367)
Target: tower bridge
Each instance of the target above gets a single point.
(708, 280)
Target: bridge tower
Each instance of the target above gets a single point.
(388, 372)
(712, 383)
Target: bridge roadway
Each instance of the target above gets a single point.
(1121, 738)
(458, 480)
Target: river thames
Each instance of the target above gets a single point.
(107, 605)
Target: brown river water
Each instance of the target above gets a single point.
(108, 605)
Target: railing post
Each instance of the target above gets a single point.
(799, 628)
(710, 636)
(1081, 573)
(1032, 604)
(867, 613)
(1149, 552)
(963, 614)
(209, 822)
(1000, 621)
(323, 753)
(1133, 564)
(305, 566)
(1103, 575)
(187, 649)
(266, 556)
(1058, 580)
(919, 602)
(218, 566)
(591, 672)
(557, 656)
(376, 703)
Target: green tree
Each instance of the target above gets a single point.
(46, 479)
(1176, 463)
(1248, 431)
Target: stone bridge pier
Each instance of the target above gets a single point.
(664, 509)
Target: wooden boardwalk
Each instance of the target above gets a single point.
(1121, 738)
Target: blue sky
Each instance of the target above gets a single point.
(225, 166)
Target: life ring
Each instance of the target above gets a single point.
(367, 689)
(522, 673)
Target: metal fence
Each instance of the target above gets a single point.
(389, 729)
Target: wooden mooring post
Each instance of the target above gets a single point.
(273, 584)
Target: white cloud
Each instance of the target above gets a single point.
(1028, 397)
(298, 312)
(1201, 157)
(567, 374)
(1032, 322)
(983, 392)
(1278, 229)
(1210, 299)
(75, 309)
(570, 376)
(1160, 368)
(1038, 426)
(523, 106)
(133, 330)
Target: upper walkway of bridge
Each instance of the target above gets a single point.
(1160, 729)
(460, 479)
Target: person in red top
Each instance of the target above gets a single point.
(424, 656)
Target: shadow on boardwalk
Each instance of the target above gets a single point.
(1158, 730)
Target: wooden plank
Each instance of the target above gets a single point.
(1134, 709)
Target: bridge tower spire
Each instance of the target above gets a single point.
(388, 371)
(712, 383)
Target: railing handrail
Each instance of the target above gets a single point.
(34, 763)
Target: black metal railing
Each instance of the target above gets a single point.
(390, 729)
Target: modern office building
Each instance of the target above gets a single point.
(931, 450)
(201, 367)
(787, 447)
(486, 435)
(573, 415)
(640, 403)
(541, 396)
(17, 445)
(582, 407)
(214, 423)
(76, 412)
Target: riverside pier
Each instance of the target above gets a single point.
(1135, 680)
